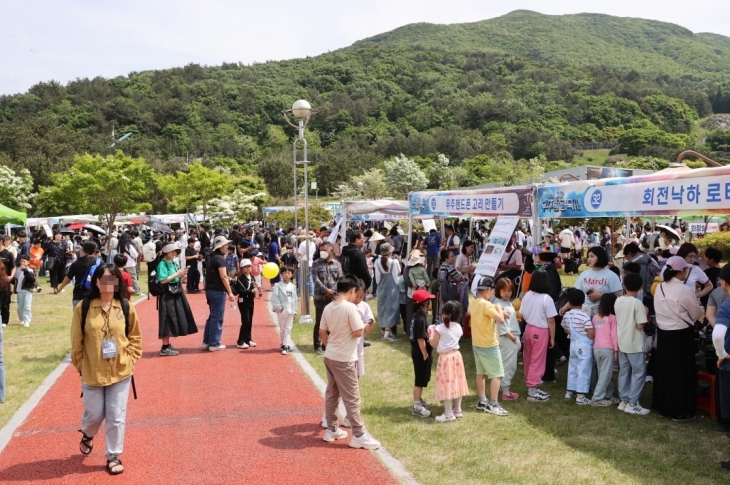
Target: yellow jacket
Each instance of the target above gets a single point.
(86, 349)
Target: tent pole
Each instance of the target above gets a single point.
(343, 225)
(536, 227)
(410, 234)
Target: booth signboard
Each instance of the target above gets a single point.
(712, 227)
(495, 245)
(270, 210)
(696, 227)
(700, 191)
(473, 203)
(377, 216)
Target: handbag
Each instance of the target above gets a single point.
(50, 263)
(174, 288)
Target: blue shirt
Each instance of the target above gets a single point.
(723, 318)
(433, 244)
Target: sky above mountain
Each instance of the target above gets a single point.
(47, 40)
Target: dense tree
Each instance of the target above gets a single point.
(195, 187)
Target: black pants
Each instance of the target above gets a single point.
(193, 277)
(57, 274)
(5, 306)
(246, 309)
(403, 313)
(318, 309)
(562, 347)
(722, 377)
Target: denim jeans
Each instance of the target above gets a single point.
(214, 325)
(25, 301)
(2, 368)
(631, 375)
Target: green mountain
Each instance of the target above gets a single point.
(582, 39)
(521, 87)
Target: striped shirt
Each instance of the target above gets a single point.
(580, 320)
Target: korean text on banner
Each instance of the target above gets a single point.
(470, 203)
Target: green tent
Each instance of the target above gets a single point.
(9, 216)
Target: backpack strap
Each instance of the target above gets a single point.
(86, 304)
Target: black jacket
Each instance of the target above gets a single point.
(358, 263)
(28, 279)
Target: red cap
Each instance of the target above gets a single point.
(420, 296)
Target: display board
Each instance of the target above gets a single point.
(495, 246)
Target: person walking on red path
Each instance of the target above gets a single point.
(105, 345)
(340, 331)
(245, 287)
(216, 289)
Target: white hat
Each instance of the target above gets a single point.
(377, 237)
(169, 247)
(219, 242)
(246, 262)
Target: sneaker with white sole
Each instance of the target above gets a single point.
(458, 413)
(614, 400)
(346, 422)
(543, 393)
(569, 395)
(582, 401)
(426, 404)
(364, 441)
(205, 347)
(496, 409)
(601, 403)
(648, 379)
(388, 338)
(636, 409)
(622, 406)
(242, 346)
(330, 436)
(215, 348)
(283, 350)
(25, 324)
(482, 405)
(445, 418)
(420, 411)
(252, 344)
(537, 397)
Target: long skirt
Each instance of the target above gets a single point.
(175, 317)
(675, 376)
(450, 377)
(388, 304)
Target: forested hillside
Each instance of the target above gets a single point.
(421, 91)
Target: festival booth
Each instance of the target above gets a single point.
(373, 210)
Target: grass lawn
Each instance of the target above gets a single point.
(591, 157)
(30, 354)
(553, 442)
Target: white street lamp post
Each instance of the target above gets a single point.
(302, 111)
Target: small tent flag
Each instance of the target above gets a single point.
(10, 216)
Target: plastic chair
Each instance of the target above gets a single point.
(707, 403)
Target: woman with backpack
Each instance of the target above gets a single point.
(448, 278)
(106, 342)
(174, 315)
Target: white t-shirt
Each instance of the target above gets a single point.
(696, 275)
(302, 251)
(520, 237)
(512, 257)
(132, 256)
(340, 319)
(629, 312)
(529, 240)
(566, 238)
(536, 308)
(448, 337)
(602, 281)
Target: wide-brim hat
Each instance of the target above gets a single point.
(219, 242)
(415, 258)
(169, 247)
(377, 237)
(386, 249)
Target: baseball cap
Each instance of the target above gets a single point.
(485, 283)
(420, 296)
(246, 262)
(677, 263)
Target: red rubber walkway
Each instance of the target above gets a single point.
(234, 416)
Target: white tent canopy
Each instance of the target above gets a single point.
(374, 210)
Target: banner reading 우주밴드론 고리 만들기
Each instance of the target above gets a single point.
(513, 201)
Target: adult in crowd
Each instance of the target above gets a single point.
(448, 278)
(4, 288)
(353, 259)
(648, 270)
(596, 281)
(510, 265)
(387, 272)
(175, 319)
(565, 237)
(695, 278)
(105, 345)
(433, 248)
(23, 247)
(128, 249)
(464, 267)
(8, 267)
(273, 256)
(216, 289)
(78, 272)
(326, 272)
(415, 277)
(677, 309)
(192, 257)
(55, 252)
(721, 342)
(452, 241)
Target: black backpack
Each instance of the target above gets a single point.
(154, 287)
(86, 304)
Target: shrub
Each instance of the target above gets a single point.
(717, 240)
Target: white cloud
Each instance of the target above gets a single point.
(44, 39)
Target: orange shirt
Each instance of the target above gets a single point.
(35, 257)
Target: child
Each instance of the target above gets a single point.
(420, 351)
(605, 350)
(509, 336)
(578, 325)
(256, 265)
(26, 283)
(630, 320)
(246, 287)
(36, 255)
(451, 383)
(232, 262)
(538, 311)
(485, 344)
(284, 302)
(120, 260)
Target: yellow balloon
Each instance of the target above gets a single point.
(270, 271)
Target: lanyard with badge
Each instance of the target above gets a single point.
(108, 343)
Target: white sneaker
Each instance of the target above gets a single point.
(569, 395)
(636, 409)
(496, 409)
(582, 401)
(216, 348)
(5, 325)
(346, 422)
(252, 344)
(25, 324)
(445, 419)
(205, 347)
(242, 346)
(339, 434)
(622, 406)
(324, 421)
(420, 411)
(365, 441)
(648, 379)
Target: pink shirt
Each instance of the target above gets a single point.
(256, 263)
(606, 330)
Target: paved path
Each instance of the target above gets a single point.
(238, 416)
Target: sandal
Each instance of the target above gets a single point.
(86, 441)
(112, 464)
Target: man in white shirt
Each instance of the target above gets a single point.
(566, 240)
(520, 238)
(340, 331)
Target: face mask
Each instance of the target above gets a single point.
(324, 254)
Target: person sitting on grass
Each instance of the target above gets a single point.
(420, 351)
(451, 383)
(485, 344)
(340, 331)
(578, 325)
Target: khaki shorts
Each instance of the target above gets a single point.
(489, 362)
